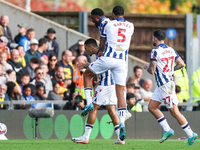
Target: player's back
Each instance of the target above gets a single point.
(165, 57)
(118, 35)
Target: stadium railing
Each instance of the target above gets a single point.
(11, 103)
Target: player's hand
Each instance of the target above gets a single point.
(146, 66)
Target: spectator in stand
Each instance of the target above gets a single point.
(59, 77)
(24, 80)
(53, 64)
(42, 50)
(2, 75)
(146, 93)
(132, 103)
(27, 96)
(3, 62)
(29, 69)
(17, 67)
(137, 70)
(3, 46)
(81, 50)
(25, 40)
(7, 32)
(133, 80)
(53, 47)
(32, 52)
(78, 81)
(39, 92)
(11, 76)
(54, 95)
(22, 32)
(134, 88)
(21, 55)
(46, 79)
(1, 31)
(14, 94)
(3, 96)
(39, 74)
(68, 70)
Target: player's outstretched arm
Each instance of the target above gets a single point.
(179, 64)
(152, 66)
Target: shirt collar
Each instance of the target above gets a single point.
(120, 19)
(101, 20)
(163, 45)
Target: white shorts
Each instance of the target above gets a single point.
(105, 95)
(118, 67)
(166, 94)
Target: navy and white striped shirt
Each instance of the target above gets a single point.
(165, 57)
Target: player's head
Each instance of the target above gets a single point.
(96, 15)
(118, 11)
(91, 46)
(158, 35)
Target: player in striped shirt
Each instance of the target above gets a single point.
(104, 95)
(115, 40)
(162, 60)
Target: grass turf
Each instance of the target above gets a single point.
(97, 144)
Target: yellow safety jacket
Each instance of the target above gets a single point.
(196, 85)
(137, 108)
(183, 82)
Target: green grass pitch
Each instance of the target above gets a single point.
(98, 144)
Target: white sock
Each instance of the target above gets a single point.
(88, 95)
(88, 130)
(187, 130)
(163, 122)
(117, 131)
(122, 114)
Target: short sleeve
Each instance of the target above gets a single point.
(103, 30)
(176, 54)
(153, 55)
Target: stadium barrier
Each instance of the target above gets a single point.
(69, 123)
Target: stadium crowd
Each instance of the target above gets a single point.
(30, 71)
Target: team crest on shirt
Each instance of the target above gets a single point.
(118, 48)
(95, 100)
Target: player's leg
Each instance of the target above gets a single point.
(88, 128)
(121, 110)
(88, 75)
(115, 119)
(174, 111)
(153, 108)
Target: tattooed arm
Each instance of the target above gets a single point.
(151, 67)
(179, 64)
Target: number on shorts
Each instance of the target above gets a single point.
(95, 93)
(121, 113)
(167, 100)
(122, 35)
(171, 59)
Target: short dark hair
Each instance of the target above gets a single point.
(178, 89)
(30, 30)
(136, 67)
(91, 41)
(42, 41)
(35, 60)
(159, 34)
(97, 12)
(36, 69)
(26, 86)
(118, 10)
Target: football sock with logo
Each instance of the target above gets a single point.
(117, 131)
(187, 130)
(88, 95)
(88, 130)
(122, 114)
(163, 122)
